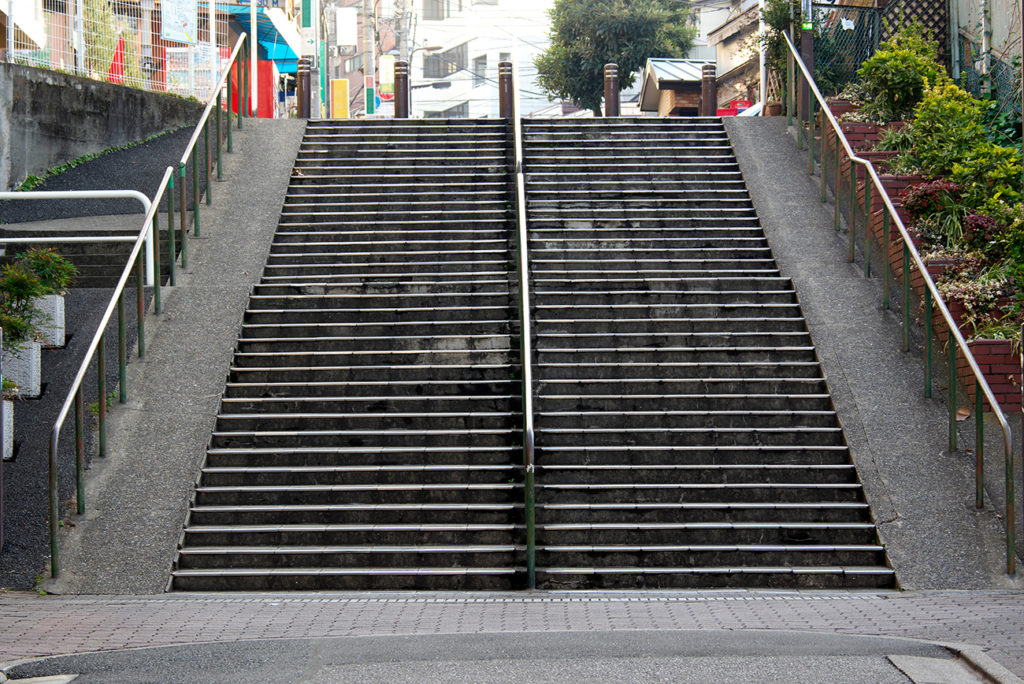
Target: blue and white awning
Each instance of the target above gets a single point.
(277, 37)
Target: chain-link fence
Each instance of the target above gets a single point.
(843, 38)
(1002, 85)
(120, 42)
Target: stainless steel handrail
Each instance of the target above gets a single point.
(96, 347)
(911, 250)
(525, 339)
(74, 396)
(86, 194)
(239, 44)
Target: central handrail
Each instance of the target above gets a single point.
(525, 339)
(932, 290)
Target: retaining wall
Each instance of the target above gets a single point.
(48, 118)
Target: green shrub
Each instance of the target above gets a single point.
(990, 176)
(947, 126)
(53, 271)
(896, 76)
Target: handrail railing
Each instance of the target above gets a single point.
(955, 340)
(525, 340)
(86, 194)
(75, 393)
(97, 347)
(202, 128)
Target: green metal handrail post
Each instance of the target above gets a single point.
(184, 228)
(837, 189)
(928, 312)
(158, 275)
(906, 297)
(195, 193)
(853, 208)
(887, 232)
(219, 175)
(79, 454)
(242, 100)
(54, 515)
(810, 138)
(237, 104)
(170, 231)
(867, 229)
(824, 166)
(979, 446)
(122, 352)
(101, 383)
(951, 343)
(249, 51)
(206, 160)
(140, 306)
(183, 210)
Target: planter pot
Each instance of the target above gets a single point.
(7, 411)
(52, 328)
(1001, 368)
(23, 366)
(773, 109)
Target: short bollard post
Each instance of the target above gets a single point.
(401, 89)
(611, 89)
(302, 87)
(708, 90)
(505, 107)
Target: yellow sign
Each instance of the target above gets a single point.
(339, 98)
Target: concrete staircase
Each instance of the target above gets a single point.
(370, 429)
(685, 435)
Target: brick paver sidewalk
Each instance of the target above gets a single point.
(47, 625)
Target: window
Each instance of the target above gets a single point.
(459, 111)
(436, 10)
(446, 63)
(479, 70)
(354, 64)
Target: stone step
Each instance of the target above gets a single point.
(388, 578)
(363, 455)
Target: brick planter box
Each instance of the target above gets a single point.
(936, 268)
(840, 107)
(1001, 367)
(862, 137)
(893, 186)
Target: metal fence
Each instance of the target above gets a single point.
(843, 38)
(121, 42)
(1003, 81)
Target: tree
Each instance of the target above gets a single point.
(587, 34)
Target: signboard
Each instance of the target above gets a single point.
(347, 27)
(339, 98)
(180, 22)
(386, 87)
(308, 41)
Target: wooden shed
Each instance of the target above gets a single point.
(671, 87)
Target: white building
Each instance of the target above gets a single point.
(474, 35)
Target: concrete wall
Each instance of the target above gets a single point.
(48, 118)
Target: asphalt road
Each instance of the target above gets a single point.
(648, 656)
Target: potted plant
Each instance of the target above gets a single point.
(54, 273)
(19, 319)
(10, 391)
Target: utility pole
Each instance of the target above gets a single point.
(402, 30)
(369, 67)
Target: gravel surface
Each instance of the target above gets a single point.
(138, 168)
